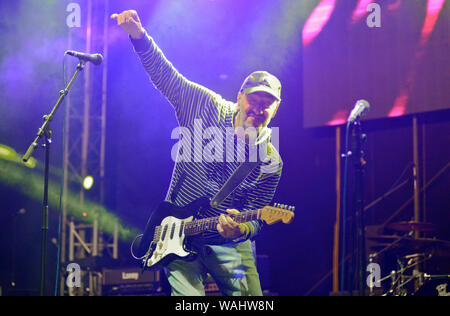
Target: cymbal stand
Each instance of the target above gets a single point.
(373, 256)
(400, 280)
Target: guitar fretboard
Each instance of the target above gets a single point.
(210, 223)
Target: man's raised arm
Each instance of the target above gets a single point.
(187, 98)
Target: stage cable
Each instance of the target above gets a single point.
(58, 242)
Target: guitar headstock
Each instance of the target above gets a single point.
(277, 212)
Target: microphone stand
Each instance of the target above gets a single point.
(359, 163)
(47, 133)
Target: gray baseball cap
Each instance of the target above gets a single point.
(262, 81)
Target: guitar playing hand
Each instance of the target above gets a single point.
(228, 228)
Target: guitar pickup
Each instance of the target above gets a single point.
(181, 229)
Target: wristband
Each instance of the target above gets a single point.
(244, 235)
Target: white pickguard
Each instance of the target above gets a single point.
(168, 246)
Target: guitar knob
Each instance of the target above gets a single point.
(160, 244)
(149, 262)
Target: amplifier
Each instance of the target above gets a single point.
(131, 281)
(129, 276)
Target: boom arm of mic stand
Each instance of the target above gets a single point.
(48, 118)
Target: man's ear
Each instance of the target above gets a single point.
(276, 109)
(239, 96)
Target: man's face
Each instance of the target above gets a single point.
(256, 109)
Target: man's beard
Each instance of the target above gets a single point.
(258, 120)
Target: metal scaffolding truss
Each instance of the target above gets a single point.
(84, 149)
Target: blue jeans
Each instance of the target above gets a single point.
(232, 266)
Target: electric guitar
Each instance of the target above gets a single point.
(170, 228)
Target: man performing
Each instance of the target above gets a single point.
(227, 254)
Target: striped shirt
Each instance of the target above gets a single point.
(199, 109)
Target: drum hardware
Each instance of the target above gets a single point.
(417, 277)
(434, 285)
(412, 226)
(429, 277)
(408, 279)
(399, 278)
(404, 245)
(391, 241)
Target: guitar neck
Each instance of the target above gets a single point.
(210, 223)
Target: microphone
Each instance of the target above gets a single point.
(361, 108)
(96, 59)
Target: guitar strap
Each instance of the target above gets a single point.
(233, 182)
(240, 173)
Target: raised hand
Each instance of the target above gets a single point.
(130, 22)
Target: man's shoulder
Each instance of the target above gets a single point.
(220, 108)
(226, 106)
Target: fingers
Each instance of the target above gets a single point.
(120, 18)
(129, 21)
(232, 211)
(227, 222)
(126, 17)
(220, 230)
(227, 227)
